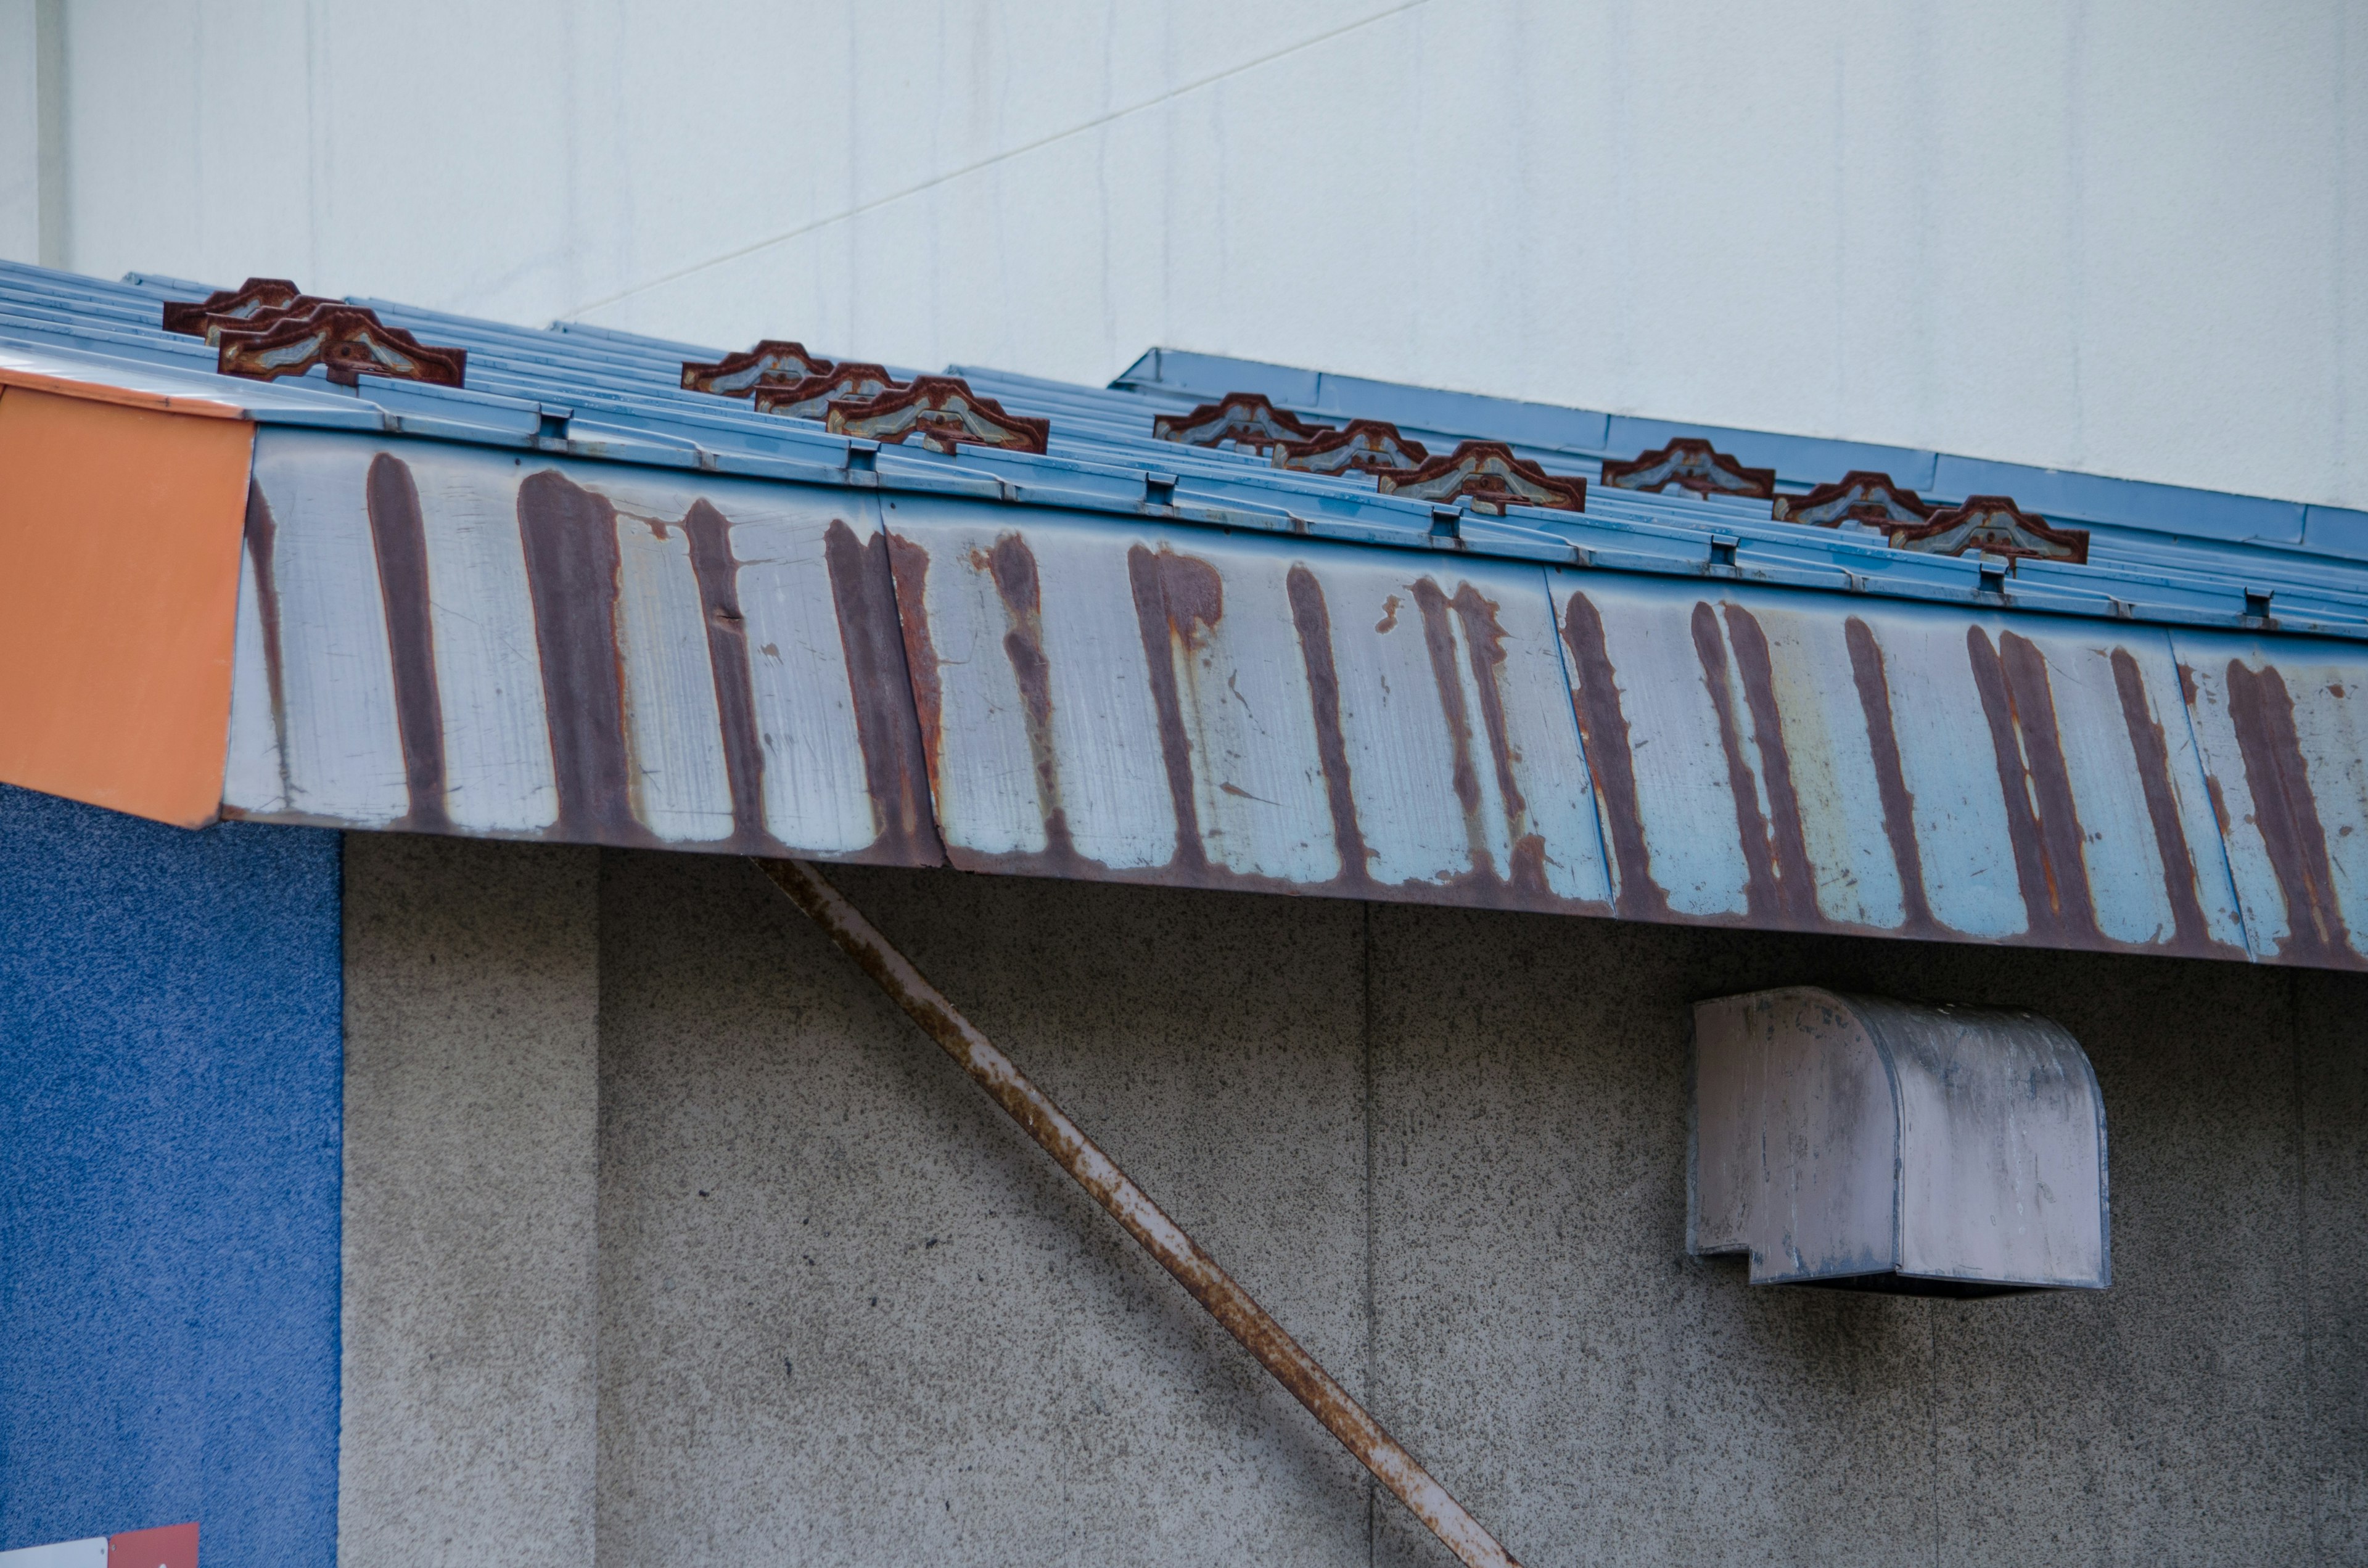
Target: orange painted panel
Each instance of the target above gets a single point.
(118, 587)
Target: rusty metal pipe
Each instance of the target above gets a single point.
(1095, 1172)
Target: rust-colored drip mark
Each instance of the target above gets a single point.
(1890, 778)
(1175, 597)
(1234, 1308)
(262, 549)
(399, 535)
(2040, 822)
(862, 588)
(1012, 565)
(572, 565)
(1484, 635)
(1785, 843)
(909, 570)
(1438, 639)
(2033, 701)
(1312, 620)
(2153, 752)
(2260, 711)
(1604, 733)
(718, 572)
(1761, 894)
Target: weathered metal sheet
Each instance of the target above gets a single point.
(1193, 707)
(1816, 762)
(1928, 1150)
(2282, 726)
(447, 639)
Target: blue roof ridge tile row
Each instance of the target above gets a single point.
(2158, 552)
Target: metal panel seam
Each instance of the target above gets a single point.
(1578, 736)
(2203, 782)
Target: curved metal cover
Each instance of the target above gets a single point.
(1934, 1151)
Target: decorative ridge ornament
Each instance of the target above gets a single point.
(941, 413)
(224, 307)
(1362, 445)
(1996, 525)
(775, 362)
(349, 339)
(852, 381)
(1489, 477)
(1863, 496)
(1246, 419)
(1689, 462)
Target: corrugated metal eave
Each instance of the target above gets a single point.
(449, 637)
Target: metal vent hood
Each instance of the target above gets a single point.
(1857, 1142)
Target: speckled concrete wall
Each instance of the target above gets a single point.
(472, 1019)
(847, 1313)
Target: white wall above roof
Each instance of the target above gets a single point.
(2095, 238)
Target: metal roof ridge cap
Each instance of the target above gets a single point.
(1164, 361)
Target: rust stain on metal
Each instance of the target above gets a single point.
(262, 549)
(872, 637)
(399, 537)
(2042, 821)
(908, 573)
(1890, 778)
(1484, 635)
(1012, 566)
(718, 575)
(2190, 934)
(1312, 620)
(1217, 1293)
(2260, 710)
(1603, 733)
(1438, 641)
(1780, 888)
(1175, 598)
(572, 568)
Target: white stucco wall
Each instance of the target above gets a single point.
(2125, 235)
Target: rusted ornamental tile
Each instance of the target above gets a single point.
(772, 363)
(1861, 496)
(941, 413)
(1246, 419)
(1489, 477)
(811, 398)
(1992, 525)
(1362, 446)
(256, 296)
(349, 339)
(1690, 463)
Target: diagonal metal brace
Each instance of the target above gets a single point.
(1211, 1286)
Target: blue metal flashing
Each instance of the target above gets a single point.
(1800, 460)
(2159, 553)
(573, 601)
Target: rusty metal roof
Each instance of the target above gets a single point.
(574, 600)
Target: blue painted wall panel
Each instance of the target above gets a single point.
(171, 1067)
